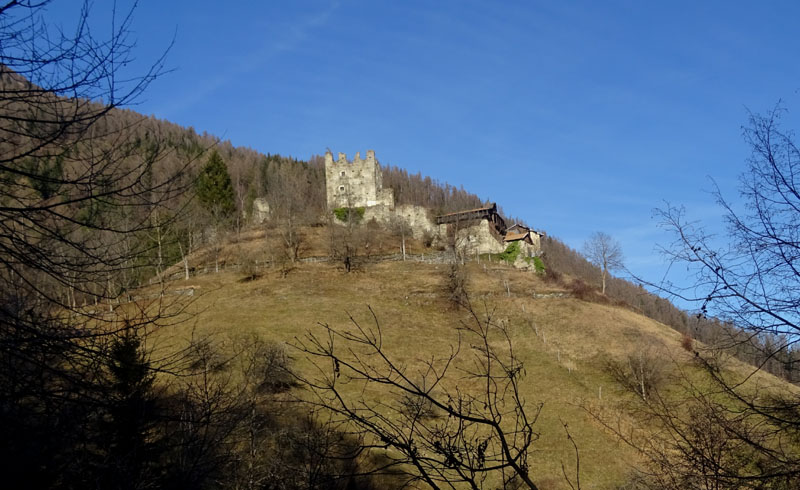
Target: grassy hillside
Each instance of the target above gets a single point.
(565, 343)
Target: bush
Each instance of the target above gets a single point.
(552, 276)
(511, 253)
(581, 290)
(427, 238)
(457, 284)
(539, 265)
(347, 214)
(641, 372)
(687, 343)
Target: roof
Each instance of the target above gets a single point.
(491, 207)
(513, 237)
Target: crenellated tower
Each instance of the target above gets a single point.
(355, 184)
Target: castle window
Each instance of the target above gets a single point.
(342, 174)
(341, 188)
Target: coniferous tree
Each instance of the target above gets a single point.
(214, 188)
(132, 456)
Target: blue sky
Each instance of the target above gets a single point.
(576, 116)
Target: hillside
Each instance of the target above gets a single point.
(566, 344)
(176, 312)
(276, 281)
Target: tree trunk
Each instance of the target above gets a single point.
(604, 281)
(185, 258)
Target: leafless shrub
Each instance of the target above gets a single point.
(457, 278)
(641, 372)
(553, 276)
(687, 342)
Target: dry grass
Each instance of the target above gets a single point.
(564, 342)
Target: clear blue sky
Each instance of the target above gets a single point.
(576, 116)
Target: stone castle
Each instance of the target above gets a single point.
(359, 184)
(355, 184)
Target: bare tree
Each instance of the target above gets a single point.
(728, 430)
(82, 186)
(641, 372)
(289, 213)
(347, 237)
(424, 423)
(400, 227)
(605, 252)
(695, 436)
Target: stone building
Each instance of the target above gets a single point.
(474, 231)
(530, 240)
(355, 184)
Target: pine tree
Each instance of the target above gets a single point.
(132, 445)
(214, 188)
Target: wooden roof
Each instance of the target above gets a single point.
(512, 237)
(490, 208)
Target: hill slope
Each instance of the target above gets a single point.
(565, 343)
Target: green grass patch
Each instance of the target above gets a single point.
(346, 214)
(510, 254)
(538, 264)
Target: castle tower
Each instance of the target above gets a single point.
(355, 184)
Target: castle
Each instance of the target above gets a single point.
(359, 184)
(355, 184)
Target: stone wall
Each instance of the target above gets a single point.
(528, 250)
(478, 236)
(355, 184)
(417, 218)
(474, 238)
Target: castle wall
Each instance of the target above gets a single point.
(416, 217)
(478, 237)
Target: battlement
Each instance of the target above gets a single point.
(356, 183)
(342, 158)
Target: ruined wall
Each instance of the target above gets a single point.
(477, 237)
(536, 248)
(417, 218)
(528, 250)
(355, 184)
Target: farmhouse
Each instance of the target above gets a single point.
(530, 240)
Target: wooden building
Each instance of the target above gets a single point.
(489, 213)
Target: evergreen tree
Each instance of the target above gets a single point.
(132, 456)
(214, 188)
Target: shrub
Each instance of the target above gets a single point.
(687, 342)
(641, 372)
(581, 290)
(427, 238)
(538, 265)
(457, 284)
(417, 407)
(511, 253)
(552, 276)
(347, 214)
